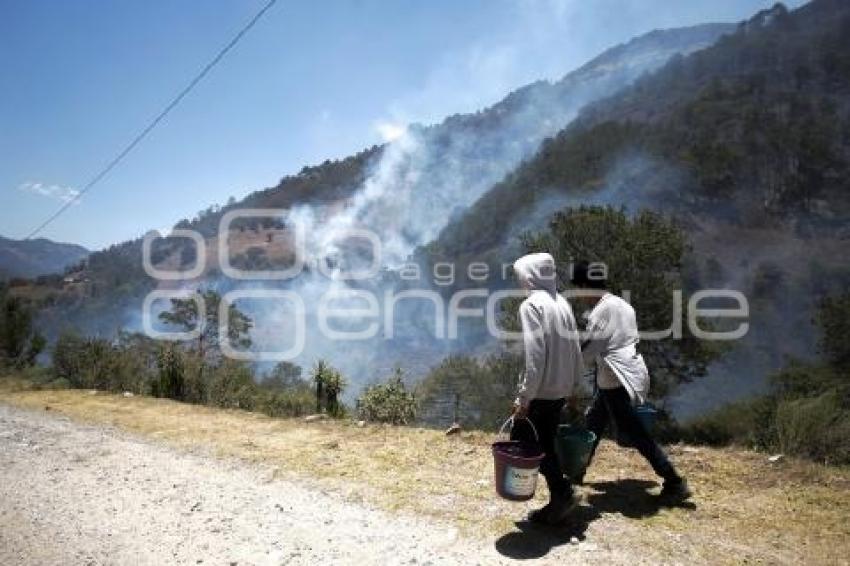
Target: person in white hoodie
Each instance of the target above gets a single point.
(553, 367)
(622, 378)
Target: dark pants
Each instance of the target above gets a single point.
(545, 415)
(616, 405)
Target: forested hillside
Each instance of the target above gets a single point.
(442, 169)
(755, 129)
(742, 142)
(745, 144)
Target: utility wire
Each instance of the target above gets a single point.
(111, 165)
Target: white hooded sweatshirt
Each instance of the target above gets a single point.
(612, 337)
(553, 362)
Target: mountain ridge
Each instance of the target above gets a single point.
(39, 256)
(461, 156)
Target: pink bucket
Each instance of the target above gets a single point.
(516, 466)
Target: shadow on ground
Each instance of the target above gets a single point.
(531, 540)
(629, 498)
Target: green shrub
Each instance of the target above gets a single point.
(99, 364)
(476, 393)
(68, 359)
(807, 413)
(135, 365)
(57, 384)
(232, 386)
(126, 364)
(817, 428)
(284, 376)
(803, 380)
(85, 362)
(388, 402)
(195, 379)
(290, 403)
(283, 393)
(762, 419)
(330, 384)
(171, 378)
(748, 423)
(810, 421)
(20, 343)
(39, 376)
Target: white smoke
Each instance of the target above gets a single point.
(424, 177)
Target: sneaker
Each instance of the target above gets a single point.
(561, 507)
(675, 491)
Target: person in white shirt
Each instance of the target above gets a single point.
(622, 378)
(553, 367)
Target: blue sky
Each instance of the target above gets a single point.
(313, 80)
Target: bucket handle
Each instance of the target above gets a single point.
(511, 420)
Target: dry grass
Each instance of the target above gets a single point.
(745, 508)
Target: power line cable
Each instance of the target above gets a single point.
(111, 165)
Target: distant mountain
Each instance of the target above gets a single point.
(738, 131)
(406, 190)
(31, 258)
(437, 171)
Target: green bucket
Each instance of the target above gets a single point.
(574, 446)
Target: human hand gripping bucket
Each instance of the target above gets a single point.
(516, 465)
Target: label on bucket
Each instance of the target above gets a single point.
(520, 481)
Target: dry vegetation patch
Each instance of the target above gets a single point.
(745, 506)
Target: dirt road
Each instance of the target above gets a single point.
(78, 494)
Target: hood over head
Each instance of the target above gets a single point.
(537, 270)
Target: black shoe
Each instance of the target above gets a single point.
(540, 516)
(675, 491)
(560, 508)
